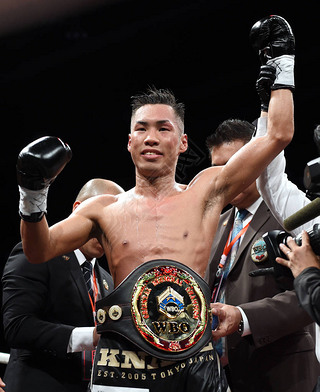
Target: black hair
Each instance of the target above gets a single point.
(229, 131)
(155, 96)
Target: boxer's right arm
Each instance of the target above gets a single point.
(42, 243)
(38, 165)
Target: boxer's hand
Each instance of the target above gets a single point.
(38, 165)
(264, 82)
(272, 37)
(229, 318)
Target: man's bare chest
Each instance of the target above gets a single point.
(152, 224)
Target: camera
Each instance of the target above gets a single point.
(276, 237)
(273, 239)
(309, 212)
(311, 177)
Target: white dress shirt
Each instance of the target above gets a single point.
(283, 197)
(81, 338)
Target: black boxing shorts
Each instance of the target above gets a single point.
(156, 333)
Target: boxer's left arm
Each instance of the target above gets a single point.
(248, 163)
(281, 195)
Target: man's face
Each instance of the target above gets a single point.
(220, 155)
(156, 140)
(92, 249)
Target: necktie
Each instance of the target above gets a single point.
(87, 274)
(237, 227)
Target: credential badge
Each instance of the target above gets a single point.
(259, 252)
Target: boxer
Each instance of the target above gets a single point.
(156, 236)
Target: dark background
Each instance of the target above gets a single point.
(70, 72)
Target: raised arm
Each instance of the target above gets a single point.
(42, 243)
(38, 165)
(273, 38)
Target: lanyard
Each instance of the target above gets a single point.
(88, 356)
(227, 248)
(95, 294)
(228, 245)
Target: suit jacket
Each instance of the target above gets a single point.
(279, 354)
(307, 285)
(42, 304)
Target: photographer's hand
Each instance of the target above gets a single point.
(299, 257)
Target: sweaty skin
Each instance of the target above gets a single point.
(158, 218)
(150, 228)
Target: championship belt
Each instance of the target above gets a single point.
(162, 307)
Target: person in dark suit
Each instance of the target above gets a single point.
(48, 315)
(266, 344)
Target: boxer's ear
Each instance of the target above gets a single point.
(183, 143)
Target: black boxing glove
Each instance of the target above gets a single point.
(38, 165)
(264, 82)
(273, 38)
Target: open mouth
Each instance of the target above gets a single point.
(151, 154)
